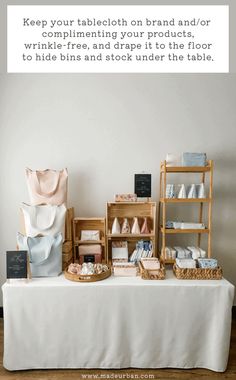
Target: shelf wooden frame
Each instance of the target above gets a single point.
(80, 223)
(185, 231)
(162, 231)
(130, 210)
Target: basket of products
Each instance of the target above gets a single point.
(87, 272)
(152, 269)
(201, 269)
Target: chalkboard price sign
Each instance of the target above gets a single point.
(16, 264)
(143, 185)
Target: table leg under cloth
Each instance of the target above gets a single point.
(117, 323)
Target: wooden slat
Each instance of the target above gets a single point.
(184, 231)
(184, 200)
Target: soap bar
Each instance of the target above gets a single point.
(208, 263)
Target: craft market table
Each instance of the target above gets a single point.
(117, 323)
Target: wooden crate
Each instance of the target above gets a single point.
(69, 224)
(67, 253)
(130, 210)
(97, 224)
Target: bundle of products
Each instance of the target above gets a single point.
(121, 266)
(151, 269)
(143, 249)
(87, 268)
(125, 269)
(120, 251)
(185, 191)
(126, 229)
(90, 252)
(186, 159)
(199, 263)
(185, 225)
(44, 221)
(183, 253)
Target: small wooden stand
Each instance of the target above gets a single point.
(130, 210)
(80, 224)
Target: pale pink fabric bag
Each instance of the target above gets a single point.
(47, 186)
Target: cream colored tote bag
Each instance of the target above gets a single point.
(47, 186)
(44, 219)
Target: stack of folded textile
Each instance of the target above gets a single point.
(207, 263)
(191, 226)
(182, 253)
(184, 225)
(169, 254)
(186, 263)
(171, 224)
(193, 159)
(197, 252)
(143, 249)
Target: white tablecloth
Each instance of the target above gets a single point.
(117, 323)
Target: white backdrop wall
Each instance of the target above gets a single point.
(105, 128)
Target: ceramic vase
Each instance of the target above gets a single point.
(125, 229)
(115, 226)
(144, 228)
(135, 227)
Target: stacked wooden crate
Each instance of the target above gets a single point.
(67, 248)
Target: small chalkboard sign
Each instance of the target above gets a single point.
(143, 185)
(17, 263)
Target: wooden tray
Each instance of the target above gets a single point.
(198, 273)
(152, 274)
(87, 277)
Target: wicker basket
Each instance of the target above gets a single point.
(198, 273)
(152, 274)
(87, 277)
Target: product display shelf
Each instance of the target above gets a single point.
(184, 231)
(130, 210)
(186, 169)
(80, 224)
(202, 170)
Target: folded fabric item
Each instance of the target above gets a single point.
(192, 191)
(170, 253)
(193, 159)
(151, 264)
(186, 263)
(124, 269)
(182, 192)
(201, 193)
(192, 226)
(197, 252)
(170, 190)
(182, 253)
(173, 159)
(171, 224)
(90, 249)
(143, 249)
(208, 263)
(90, 235)
(120, 250)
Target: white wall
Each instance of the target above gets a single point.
(105, 128)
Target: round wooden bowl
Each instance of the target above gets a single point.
(87, 277)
